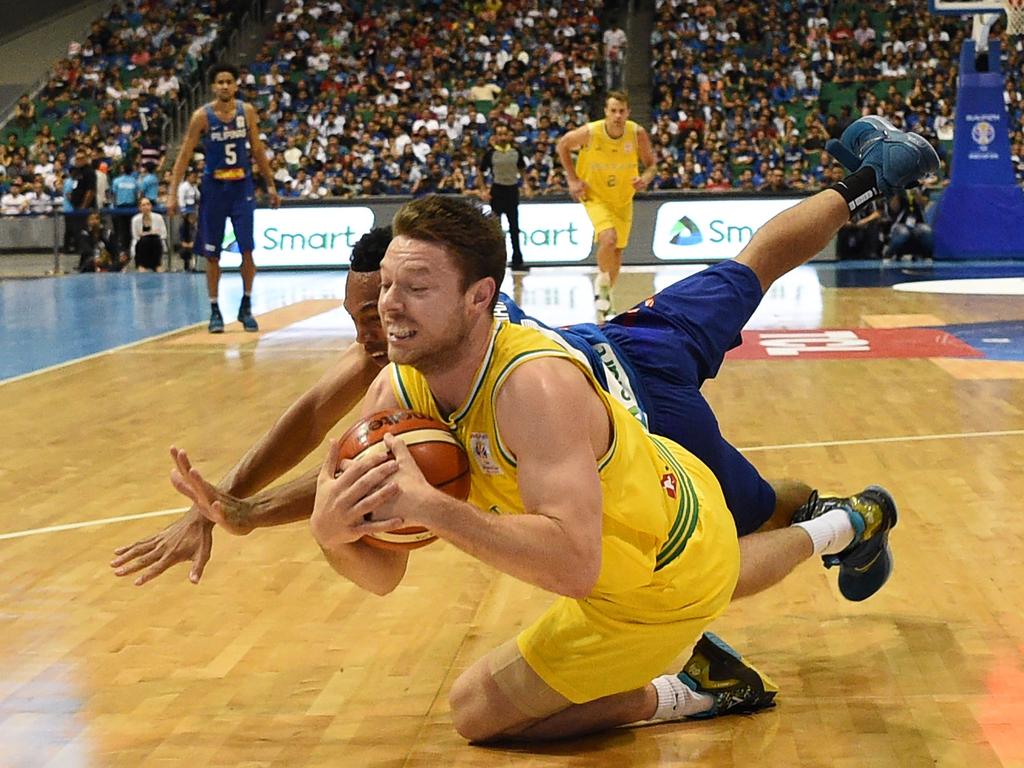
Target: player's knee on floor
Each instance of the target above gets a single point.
(500, 696)
(473, 714)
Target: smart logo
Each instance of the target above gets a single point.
(719, 228)
(553, 233)
(685, 232)
(301, 236)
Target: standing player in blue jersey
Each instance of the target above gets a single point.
(229, 131)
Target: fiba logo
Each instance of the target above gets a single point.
(685, 232)
(983, 133)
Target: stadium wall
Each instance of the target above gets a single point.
(667, 228)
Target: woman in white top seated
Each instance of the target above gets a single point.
(149, 238)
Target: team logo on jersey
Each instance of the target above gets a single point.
(239, 121)
(627, 147)
(480, 445)
(670, 485)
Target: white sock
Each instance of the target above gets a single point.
(676, 700)
(831, 533)
(603, 280)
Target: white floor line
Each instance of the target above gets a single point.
(90, 523)
(879, 440)
(753, 449)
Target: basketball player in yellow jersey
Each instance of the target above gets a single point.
(605, 178)
(569, 494)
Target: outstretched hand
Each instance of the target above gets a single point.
(229, 512)
(188, 539)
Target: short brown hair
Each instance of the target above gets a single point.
(618, 96)
(473, 239)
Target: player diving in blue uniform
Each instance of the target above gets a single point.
(229, 131)
(653, 358)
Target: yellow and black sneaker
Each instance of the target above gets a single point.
(866, 564)
(719, 671)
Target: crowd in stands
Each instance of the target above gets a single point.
(112, 96)
(359, 97)
(366, 99)
(746, 94)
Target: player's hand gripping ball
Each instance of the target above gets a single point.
(438, 454)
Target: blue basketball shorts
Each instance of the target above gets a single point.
(219, 201)
(676, 340)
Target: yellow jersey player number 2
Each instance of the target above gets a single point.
(605, 177)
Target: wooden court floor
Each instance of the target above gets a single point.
(273, 661)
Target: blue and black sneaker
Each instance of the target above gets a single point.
(216, 321)
(246, 319)
(865, 565)
(719, 671)
(900, 159)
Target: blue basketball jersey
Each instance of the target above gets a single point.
(588, 344)
(226, 146)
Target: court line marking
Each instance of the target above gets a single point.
(77, 360)
(90, 523)
(753, 449)
(879, 440)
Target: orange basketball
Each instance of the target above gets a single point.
(437, 453)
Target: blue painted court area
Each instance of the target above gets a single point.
(875, 274)
(49, 321)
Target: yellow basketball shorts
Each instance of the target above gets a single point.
(604, 216)
(586, 649)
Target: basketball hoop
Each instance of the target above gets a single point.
(1014, 16)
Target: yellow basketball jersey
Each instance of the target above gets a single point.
(609, 165)
(652, 488)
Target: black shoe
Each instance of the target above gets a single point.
(866, 564)
(216, 321)
(719, 671)
(246, 319)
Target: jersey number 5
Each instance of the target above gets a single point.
(230, 156)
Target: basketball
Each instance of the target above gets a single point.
(437, 453)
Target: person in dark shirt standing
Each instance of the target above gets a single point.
(83, 191)
(505, 162)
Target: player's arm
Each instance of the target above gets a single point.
(571, 142)
(295, 434)
(302, 427)
(643, 146)
(196, 125)
(260, 153)
(550, 418)
(347, 492)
